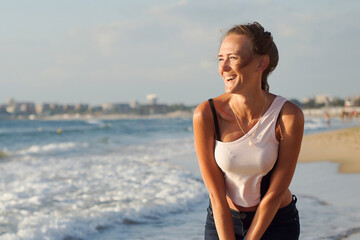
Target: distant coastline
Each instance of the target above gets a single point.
(343, 112)
(86, 116)
(332, 111)
(319, 106)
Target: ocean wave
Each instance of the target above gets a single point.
(99, 123)
(315, 123)
(51, 148)
(89, 125)
(81, 196)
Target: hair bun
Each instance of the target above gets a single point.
(267, 34)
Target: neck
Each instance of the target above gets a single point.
(248, 105)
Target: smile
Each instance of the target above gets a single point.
(230, 78)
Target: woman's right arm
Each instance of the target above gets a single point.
(204, 132)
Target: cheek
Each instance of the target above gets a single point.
(245, 61)
(243, 64)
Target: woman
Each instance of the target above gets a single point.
(247, 142)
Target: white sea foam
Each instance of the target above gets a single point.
(51, 148)
(46, 197)
(98, 122)
(314, 123)
(94, 121)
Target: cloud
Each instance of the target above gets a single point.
(175, 44)
(286, 30)
(143, 50)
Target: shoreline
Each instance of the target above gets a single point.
(341, 146)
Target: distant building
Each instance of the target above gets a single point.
(116, 107)
(134, 104)
(27, 108)
(323, 99)
(81, 107)
(352, 101)
(10, 101)
(151, 99)
(3, 112)
(68, 108)
(3, 109)
(306, 100)
(56, 108)
(153, 109)
(42, 108)
(15, 108)
(95, 108)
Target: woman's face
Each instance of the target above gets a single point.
(236, 62)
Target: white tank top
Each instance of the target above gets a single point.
(244, 166)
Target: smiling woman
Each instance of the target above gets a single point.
(247, 142)
(235, 58)
(265, 46)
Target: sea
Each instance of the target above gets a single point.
(138, 179)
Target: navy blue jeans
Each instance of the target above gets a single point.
(285, 225)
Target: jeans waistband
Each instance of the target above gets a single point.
(243, 215)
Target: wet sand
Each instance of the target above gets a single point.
(340, 146)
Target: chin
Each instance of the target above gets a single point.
(231, 90)
(228, 91)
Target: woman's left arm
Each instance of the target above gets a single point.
(291, 124)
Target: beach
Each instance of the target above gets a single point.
(340, 146)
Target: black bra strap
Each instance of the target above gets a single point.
(215, 119)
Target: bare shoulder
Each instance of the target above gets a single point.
(292, 115)
(291, 109)
(202, 112)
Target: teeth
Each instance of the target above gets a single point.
(229, 78)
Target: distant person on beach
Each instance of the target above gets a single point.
(327, 119)
(247, 142)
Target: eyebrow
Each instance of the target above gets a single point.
(220, 55)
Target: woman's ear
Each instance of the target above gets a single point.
(264, 61)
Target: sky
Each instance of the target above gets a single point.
(88, 51)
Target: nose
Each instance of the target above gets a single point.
(224, 66)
